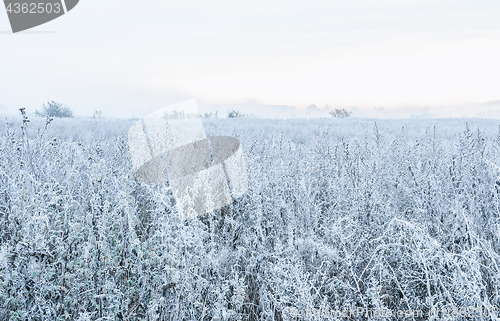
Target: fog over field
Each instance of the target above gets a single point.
(426, 58)
(341, 215)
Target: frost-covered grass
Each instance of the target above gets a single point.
(341, 213)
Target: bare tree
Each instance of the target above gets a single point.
(97, 114)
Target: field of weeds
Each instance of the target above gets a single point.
(340, 214)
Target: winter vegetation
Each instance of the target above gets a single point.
(234, 113)
(211, 114)
(340, 214)
(340, 113)
(97, 114)
(55, 109)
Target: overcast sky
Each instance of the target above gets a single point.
(128, 58)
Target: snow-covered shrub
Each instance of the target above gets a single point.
(55, 109)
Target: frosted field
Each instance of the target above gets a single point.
(341, 215)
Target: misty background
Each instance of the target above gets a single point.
(389, 59)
